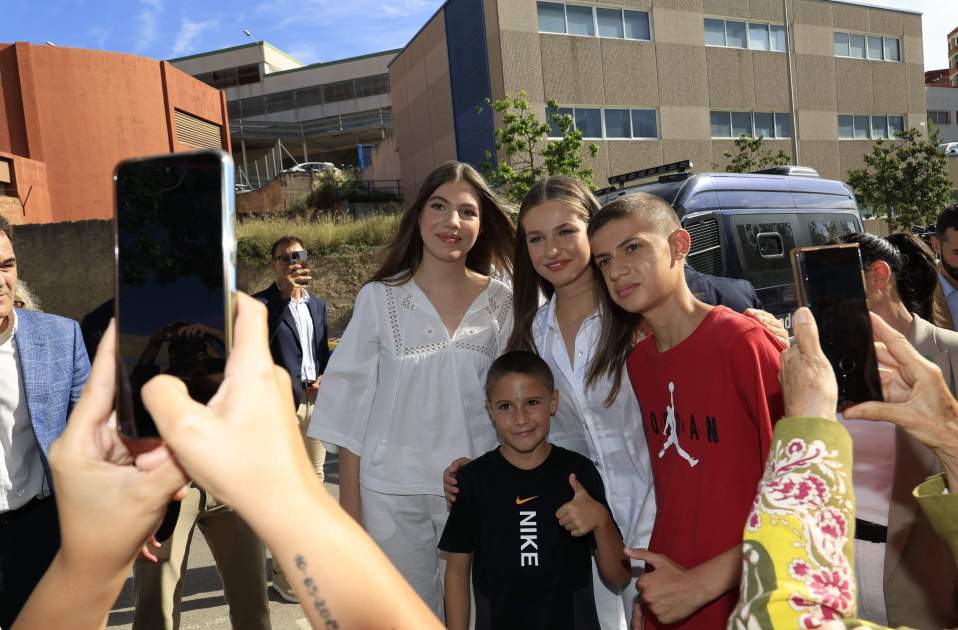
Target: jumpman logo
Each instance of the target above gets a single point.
(672, 431)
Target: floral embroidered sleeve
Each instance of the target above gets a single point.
(797, 569)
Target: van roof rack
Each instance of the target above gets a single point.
(794, 171)
(674, 171)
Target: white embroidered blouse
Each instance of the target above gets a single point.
(404, 394)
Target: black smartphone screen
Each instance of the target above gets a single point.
(173, 282)
(834, 291)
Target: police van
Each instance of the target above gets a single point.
(745, 225)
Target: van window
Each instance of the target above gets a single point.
(824, 230)
(736, 199)
(764, 243)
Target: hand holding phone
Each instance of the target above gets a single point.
(831, 284)
(174, 279)
(298, 269)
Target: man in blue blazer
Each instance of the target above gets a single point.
(43, 367)
(299, 342)
(297, 322)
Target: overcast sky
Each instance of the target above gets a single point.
(310, 30)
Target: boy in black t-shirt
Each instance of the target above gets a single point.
(527, 517)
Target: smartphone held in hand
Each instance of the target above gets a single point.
(299, 257)
(831, 284)
(175, 279)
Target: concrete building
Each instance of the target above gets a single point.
(656, 81)
(953, 56)
(943, 112)
(318, 112)
(67, 116)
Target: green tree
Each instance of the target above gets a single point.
(905, 181)
(529, 153)
(750, 155)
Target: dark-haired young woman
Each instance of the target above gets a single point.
(402, 395)
(905, 572)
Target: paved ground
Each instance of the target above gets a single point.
(203, 603)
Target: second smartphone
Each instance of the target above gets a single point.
(175, 279)
(831, 284)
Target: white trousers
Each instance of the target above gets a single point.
(407, 528)
(870, 574)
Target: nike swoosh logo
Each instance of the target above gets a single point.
(521, 501)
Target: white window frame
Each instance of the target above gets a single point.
(752, 113)
(867, 36)
(595, 21)
(602, 122)
(748, 24)
(871, 129)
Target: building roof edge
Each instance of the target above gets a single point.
(421, 28)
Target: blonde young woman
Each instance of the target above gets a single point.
(403, 393)
(595, 417)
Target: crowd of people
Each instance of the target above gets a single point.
(608, 439)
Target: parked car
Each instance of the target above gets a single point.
(242, 188)
(745, 225)
(949, 148)
(312, 167)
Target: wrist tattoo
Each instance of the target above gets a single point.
(312, 590)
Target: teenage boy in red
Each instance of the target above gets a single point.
(707, 380)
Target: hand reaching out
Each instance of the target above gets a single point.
(107, 506)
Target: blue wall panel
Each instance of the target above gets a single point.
(469, 76)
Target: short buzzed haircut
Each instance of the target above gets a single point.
(652, 210)
(519, 362)
(947, 219)
(285, 241)
(6, 228)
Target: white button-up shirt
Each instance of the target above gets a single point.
(21, 469)
(404, 394)
(304, 328)
(611, 436)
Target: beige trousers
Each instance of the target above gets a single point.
(240, 560)
(317, 455)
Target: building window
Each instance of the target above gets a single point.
(588, 121)
(865, 127)
(6, 178)
(610, 123)
(551, 17)
(751, 35)
(872, 47)
(579, 20)
(772, 125)
(939, 118)
(589, 21)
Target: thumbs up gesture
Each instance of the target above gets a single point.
(583, 514)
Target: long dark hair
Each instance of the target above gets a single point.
(912, 263)
(619, 330)
(403, 253)
(526, 283)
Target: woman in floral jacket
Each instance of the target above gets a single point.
(797, 564)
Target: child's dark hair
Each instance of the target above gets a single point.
(912, 264)
(519, 362)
